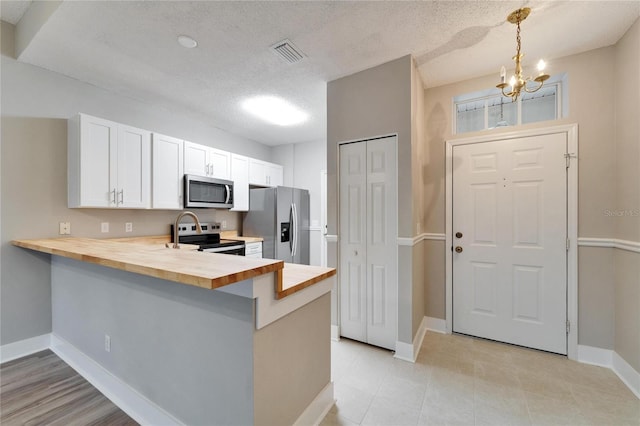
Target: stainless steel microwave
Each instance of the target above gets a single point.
(205, 192)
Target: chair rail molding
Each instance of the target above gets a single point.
(632, 246)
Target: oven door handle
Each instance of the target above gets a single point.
(223, 249)
(228, 192)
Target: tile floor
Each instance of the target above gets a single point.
(459, 380)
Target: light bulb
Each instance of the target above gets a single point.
(503, 74)
(541, 65)
(512, 81)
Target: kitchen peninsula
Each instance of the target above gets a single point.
(207, 338)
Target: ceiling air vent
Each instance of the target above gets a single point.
(287, 51)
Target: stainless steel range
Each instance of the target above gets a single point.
(209, 240)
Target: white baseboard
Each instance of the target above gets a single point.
(335, 333)
(318, 409)
(121, 394)
(436, 325)
(595, 356)
(611, 359)
(409, 351)
(22, 348)
(627, 374)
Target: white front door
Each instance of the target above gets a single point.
(368, 242)
(509, 241)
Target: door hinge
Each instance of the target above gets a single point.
(568, 244)
(568, 326)
(568, 156)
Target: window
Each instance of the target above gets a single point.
(488, 109)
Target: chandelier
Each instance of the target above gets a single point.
(517, 83)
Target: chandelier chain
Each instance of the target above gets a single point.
(518, 35)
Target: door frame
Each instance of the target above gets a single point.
(571, 131)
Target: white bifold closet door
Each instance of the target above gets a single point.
(368, 266)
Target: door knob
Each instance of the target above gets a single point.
(458, 249)
(458, 234)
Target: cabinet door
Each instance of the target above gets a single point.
(168, 172)
(134, 168)
(196, 159)
(98, 158)
(220, 163)
(257, 172)
(274, 174)
(240, 178)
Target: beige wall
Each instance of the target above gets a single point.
(591, 106)
(418, 144)
(627, 207)
(294, 363)
(35, 106)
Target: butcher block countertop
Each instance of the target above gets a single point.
(149, 256)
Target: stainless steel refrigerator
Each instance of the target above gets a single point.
(281, 217)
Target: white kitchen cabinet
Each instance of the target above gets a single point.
(275, 174)
(167, 172)
(108, 164)
(240, 178)
(262, 173)
(253, 250)
(203, 160)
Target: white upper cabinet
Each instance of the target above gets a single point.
(108, 164)
(168, 172)
(262, 173)
(274, 174)
(240, 178)
(202, 160)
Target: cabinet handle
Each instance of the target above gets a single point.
(113, 199)
(122, 196)
(208, 169)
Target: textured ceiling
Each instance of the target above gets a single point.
(130, 47)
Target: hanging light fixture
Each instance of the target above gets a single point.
(517, 83)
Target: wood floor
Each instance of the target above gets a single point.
(41, 389)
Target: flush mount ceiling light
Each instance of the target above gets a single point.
(275, 110)
(186, 41)
(517, 82)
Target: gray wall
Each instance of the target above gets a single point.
(187, 349)
(376, 102)
(35, 106)
(607, 116)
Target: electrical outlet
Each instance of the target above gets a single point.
(104, 227)
(128, 227)
(224, 224)
(107, 343)
(65, 228)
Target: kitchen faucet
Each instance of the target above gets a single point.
(175, 227)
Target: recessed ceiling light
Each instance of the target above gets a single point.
(186, 41)
(275, 110)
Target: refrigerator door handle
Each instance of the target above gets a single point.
(291, 229)
(295, 230)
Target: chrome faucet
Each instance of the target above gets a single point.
(175, 227)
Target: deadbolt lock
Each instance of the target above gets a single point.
(458, 234)
(458, 249)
